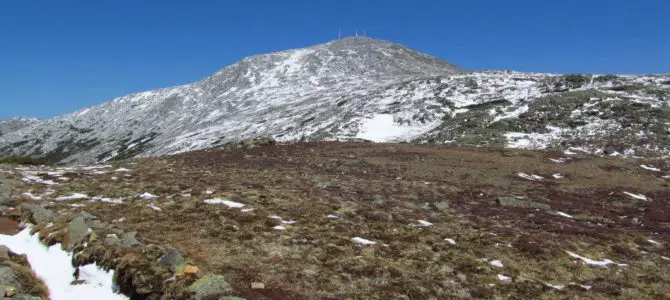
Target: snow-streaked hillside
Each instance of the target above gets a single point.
(355, 88)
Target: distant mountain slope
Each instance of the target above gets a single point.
(361, 88)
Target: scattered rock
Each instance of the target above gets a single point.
(210, 287)
(257, 285)
(112, 240)
(6, 187)
(128, 240)
(76, 232)
(4, 252)
(8, 279)
(37, 214)
(172, 260)
(10, 291)
(516, 202)
(87, 216)
(189, 270)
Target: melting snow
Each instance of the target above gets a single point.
(54, 266)
(74, 196)
(650, 168)
(31, 196)
(504, 278)
(562, 214)
(108, 200)
(146, 196)
(35, 179)
(496, 263)
(589, 261)
(331, 216)
(382, 128)
(530, 177)
(279, 227)
(450, 241)
(654, 242)
(122, 170)
(362, 241)
(558, 176)
(554, 286)
(424, 223)
(154, 207)
(231, 204)
(636, 196)
(559, 160)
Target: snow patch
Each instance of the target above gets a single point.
(382, 128)
(74, 196)
(147, 196)
(231, 204)
(362, 241)
(562, 214)
(496, 263)
(31, 196)
(650, 168)
(55, 268)
(450, 241)
(592, 262)
(636, 196)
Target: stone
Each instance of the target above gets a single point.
(6, 187)
(38, 214)
(8, 278)
(516, 202)
(112, 240)
(93, 237)
(210, 287)
(10, 291)
(76, 232)
(128, 240)
(4, 252)
(172, 260)
(193, 270)
(257, 285)
(87, 216)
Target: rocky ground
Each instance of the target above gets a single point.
(327, 220)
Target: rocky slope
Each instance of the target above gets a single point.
(359, 88)
(326, 220)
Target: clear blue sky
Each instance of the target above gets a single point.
(58, 56)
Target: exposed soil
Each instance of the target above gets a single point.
(382, 192)
(8, 226)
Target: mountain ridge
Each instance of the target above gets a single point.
(344, 89)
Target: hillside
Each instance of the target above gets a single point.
(360, 88)
(325, 220)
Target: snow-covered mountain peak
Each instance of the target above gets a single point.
(356, 88)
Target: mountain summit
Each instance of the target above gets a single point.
(357, 88)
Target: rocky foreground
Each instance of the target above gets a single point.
(328, 220)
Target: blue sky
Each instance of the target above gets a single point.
(59, 56)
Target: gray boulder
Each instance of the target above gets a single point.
(172, 260)
(210, 287)
(516, 202)
(38, 214)
(8, 278)
(76, 232)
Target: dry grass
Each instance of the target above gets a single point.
(380, 191)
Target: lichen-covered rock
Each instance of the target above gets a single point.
(516, 202)
(210, 287)
(37, 214)
(6, 187)
(76, 232)
(172, 260)
(128, 240)
(8, 278)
